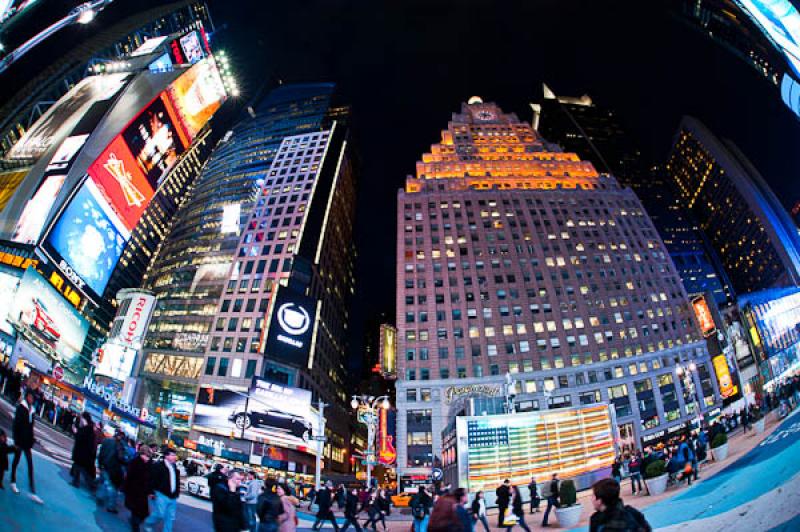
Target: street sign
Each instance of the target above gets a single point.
(366, 416)
(368, 462)
(437, 474)
(318, 438)
(58, 373)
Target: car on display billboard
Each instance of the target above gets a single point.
(267, 412)
(49, 320)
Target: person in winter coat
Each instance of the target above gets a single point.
(341, 496)
(534, 493)
(110, 459)
(611, 515)
(227, 508)
(351, 511)
(325, 507)
(5, 450)
(479, 510)
(373, 508)
(84, 451)
(421, 505)
(269, 510)
(137, 487)
(444, 517)
(464, 516)
(253, 488)
(552, 497)
(287, 521)
(22, 431)
(518, 510)
(503, 500)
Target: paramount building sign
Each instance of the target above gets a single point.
(112, 402)
(451, 393)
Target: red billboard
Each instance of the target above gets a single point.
(704, 318)
(122, 183)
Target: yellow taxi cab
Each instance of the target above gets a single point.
(402, 500)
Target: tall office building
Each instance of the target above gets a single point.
(193, 269)
(743, 221)
(595, 134)
(515, 257)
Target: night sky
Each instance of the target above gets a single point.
(405, 66)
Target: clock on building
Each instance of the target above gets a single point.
(485, 114)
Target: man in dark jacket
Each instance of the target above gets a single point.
(165, 486)
(22, 431)
(351, 511)
(503, 500)
(552, 497)
(227, 508)
(611, 515)
(421, 505)
(325, 504)
(111, 458)
(534, 493)
(83, 451)
(269, 508)
(137, 487)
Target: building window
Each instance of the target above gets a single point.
(210, 363)
(222, 371)
(251, 369)
(444, 373)
(411, 395)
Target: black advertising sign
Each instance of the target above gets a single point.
(291, 327)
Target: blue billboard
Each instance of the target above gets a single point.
(780, 22)
(89, 237)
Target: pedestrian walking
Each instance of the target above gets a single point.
(373, 508)
(166, 485)
(551, 493)
(479, 510)
(421, 505)
(227, 508)
(253, 488)
(269, 509)
(635, 468)
(503, 493)
(341, 497)
(611, 514)
(616, 473)
(533, 491)
(287, 521)
(5, 450)
(464, 515)
(84, 452)
(351, 511)
(137, 487)
(22, 432)
(110, 460)
(517, 509)
(444, 516)
(325, 507)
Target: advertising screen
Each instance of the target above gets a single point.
(790, 93)
(89, 237)
(777, 322)
(9, 183)
(47, 317)
(154, 141)
(291, 327)
(388, 350)
(117, 361)
(192, 49)
(149, 45)
(121, 182)
(137, 316)
(65, 153)
(704, 318)
(570, 441)
(31, 221)
(8, 287)
(162, 63)
(780, 21)
(65, 113)
(272, 413)
(727, 387)
(197, 95)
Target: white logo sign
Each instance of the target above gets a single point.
(71, 275)
(116, 167)
(293, 319)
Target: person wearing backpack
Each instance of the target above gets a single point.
(611, 514)
(421, 510)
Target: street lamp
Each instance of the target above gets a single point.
(367, 407)
(685, 373)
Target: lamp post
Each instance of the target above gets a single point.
(685, 373)
(367, 407)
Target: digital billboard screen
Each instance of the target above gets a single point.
(704, 318)
(777, 321)
(192, 49)
(66, 152)
(89, 237)
(121, 182)
(40, 310)
(273, 413)
(149, 46)
(291, 327)
(570, 441)
(727, 385)
(34, 215)
(197, 94)
(780, 21)
(154, 141)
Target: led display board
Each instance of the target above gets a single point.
(192, 49)
(117, 361)
(162, 63)
(120, 180)
(66, 152)
(149, 46)
(9, 183)
(154, 141)
(388, 351)
(46, 317)
(267, 413)
(776, 323)
(573, 442)
(790, 93)
(727, 386)
(197, 95)
(89, 237)
(8, 287)
(704, 318)
(34, 215)
(137, 316)
(291, 327)
(780, 22)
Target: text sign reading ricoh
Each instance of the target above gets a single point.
(291, 327)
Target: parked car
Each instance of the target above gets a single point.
(297, 426)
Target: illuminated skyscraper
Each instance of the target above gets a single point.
(515, 257)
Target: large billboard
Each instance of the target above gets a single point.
(780, 22)
(267, 413)
(137, 316)
(704, 318)
(116, 362)
(8, 287)
(34, 215)
(727, 386)
(197, 95)
(192, 49)
(89, 237)
(38, 309)
(291, 327)
(388, 351)
(573, 442)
